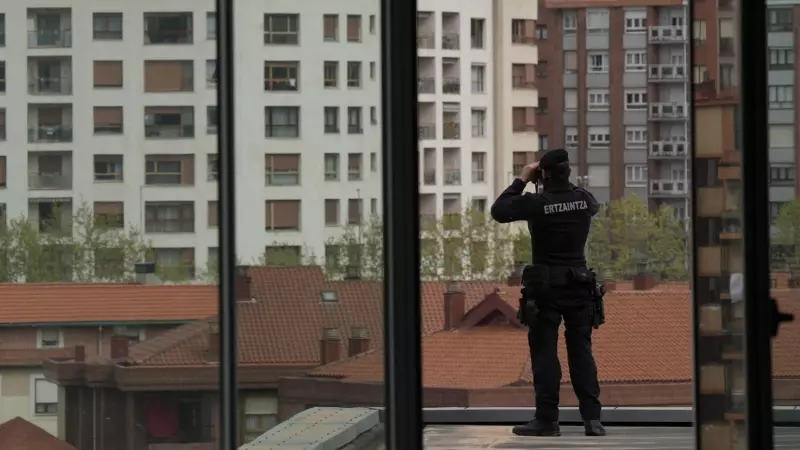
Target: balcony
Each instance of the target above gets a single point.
(667, 111)
(666, 34)
(426, 40)
(452, 177)
(450, 42)
(49, 181)
(451, 130)
(667, 72)
(50, 76)
(451, 86)
(50, 134)
(669, 149)
(668, 188)
(426, 85)
(168, 28)
(427, 131)
(51, 215)
(429, 177)
(50, 86)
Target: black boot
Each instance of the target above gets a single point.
(537, 428)
(593, 428)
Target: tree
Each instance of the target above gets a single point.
(81, 247)
(787, 233)
(625, 238)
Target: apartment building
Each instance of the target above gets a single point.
(783, 27)
(614, 93)
(477, 100)
(114, 104)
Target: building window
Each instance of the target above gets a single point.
(211, 119)
(169, 76)
(282, 121)
(781, 97)
(700, 74)
(107, 26)
(636, 175)
(282, 215)
(281, 29)
(168, 122)
(45, 396)
(571, 137)
(211, 25)
(108, 168)
(211, 73)
(541, 32)
(354, 211)
(165, 170)
(779, 19)
(477, 33)
(107, 74)
(107, 120)
(331, 212)
(50, 338)
(478, 167)
(597, 20)
(598, 62)
(523, 119)
(699, 29)
(331, 114)
(353, 28)
(134, 335)
(544, 142)
(635, 61)
(635, 99)
(598, 176)
(169, 217)
(599, 137)
(353, 74)
(282, 170)
(330, 28)
(570, 21)
(168, 28)
(635, 21)
(280, 75)
(775, 211)
(635, 137)
(781, 174)
(478, 122)
(570, 99)
(781, 58)
(355, 166)
(109, 214)
(331, 167)
(355, 123)
(598, 99)
(331, 74)
(781, 136)
(523, 31)
(726, 77)
(570, 61)
(478, 73)
(212, 167)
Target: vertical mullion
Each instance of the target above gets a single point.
(401, 221)
(228, 437)
(755, 200)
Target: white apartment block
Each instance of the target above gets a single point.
(113, 104)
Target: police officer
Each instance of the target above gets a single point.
(558, 220)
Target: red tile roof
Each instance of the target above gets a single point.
(38, 303)
(19, 434)
(647, 338)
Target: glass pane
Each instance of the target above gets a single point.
(717, 226)
(119, 262)
(784, 204)
(309, 223)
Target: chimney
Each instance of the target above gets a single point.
(242, 284)
(353, 273)
(80, 353)
(515, 277)
(119, 347)
(454, 305)
(146, 273)
(359, 341)
(643, 281)
(330, 346)
(212, 351)
(608, 281)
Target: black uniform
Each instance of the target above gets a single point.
(558, 220)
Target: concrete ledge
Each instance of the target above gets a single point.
(613, 415)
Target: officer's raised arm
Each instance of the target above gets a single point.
(594, 206)
(513, 204)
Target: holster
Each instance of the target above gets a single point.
(598, 303)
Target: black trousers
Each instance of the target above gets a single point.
(574, 305)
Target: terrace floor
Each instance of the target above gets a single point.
(472, 437)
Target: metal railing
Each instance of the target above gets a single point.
(50, 38)
(667, 72)
(667, 111)
(451, 130)
(168, 131)
(451, 41)
(668, 149)
(666, 33)
(669, 187)
(50, 133)
(429, 177)
(451, 86)
(50, 86)
(522, 82)
(426, 85)
(44, 181)
(452, 177)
